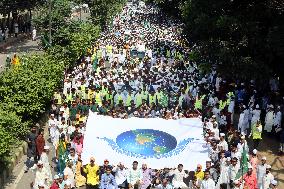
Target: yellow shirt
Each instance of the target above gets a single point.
(92, 174)
(199, 175)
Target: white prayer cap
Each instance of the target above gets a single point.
(278, 107)
(222, 134)
(213, 116)
(249, 166)
(257, 106)
(254, 151)
(67, 182)
(46, 147)
(244, 106)
(263, 158)
(41, 184)
(52, 115)
(61, 109)
(39, 162)
(208, 160)
(56, 177)
(236, 182)
(271, 106)
(274, 182)
(268, 166)
(228, 159)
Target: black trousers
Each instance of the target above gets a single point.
(92, 186)
(256, 143)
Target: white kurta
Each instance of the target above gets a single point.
(224, 175)
(207, 184)
(178, 178)
(44, 159)
(255, 116)
(267, 179)
(243, 121)
(277, 119)
(269, 121)
(233, 170)
(70, 176)
(260, 173)
(41, 176)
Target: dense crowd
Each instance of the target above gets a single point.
(141, 67)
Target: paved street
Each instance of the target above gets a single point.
(20, 47)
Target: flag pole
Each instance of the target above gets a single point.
(242, 164)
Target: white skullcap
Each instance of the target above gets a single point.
(51, 114)
(244, 106)
(67, 182)
(228, 159)
(39, 162)
(56, 177)
(263, 158)
(46, 147)
(222, 134)
(268, 166)
(41, 184)
(236, 182)
(208, 160)
(254, 151)
(274, 182)
(243, 137)
(249, 166)
(257, 106)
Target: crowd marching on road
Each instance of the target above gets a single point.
(141, 67)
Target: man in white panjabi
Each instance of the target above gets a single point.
(224, 175)
(41, 175)
(255, 115)
(260, 172)
(243, 120)
(179, 174)
(45, 161)
(207, 182)
(278, 118)
(269, 119)
(267, 178)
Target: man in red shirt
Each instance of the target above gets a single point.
(250, 179)
(55, 184)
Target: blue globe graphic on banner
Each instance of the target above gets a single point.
(146, 142)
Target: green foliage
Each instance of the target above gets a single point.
(7, 6)
(240, 37)
(28, 87)
(60, 13)
(102, 11)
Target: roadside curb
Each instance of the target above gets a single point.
(15, 158)
(17, 154)
(11, 42)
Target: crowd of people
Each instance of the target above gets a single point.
(141, 67)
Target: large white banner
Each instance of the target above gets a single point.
(157, 142)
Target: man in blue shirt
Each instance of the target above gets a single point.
(108, 180)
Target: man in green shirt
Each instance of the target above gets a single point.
(94, 106)
(73, 110)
